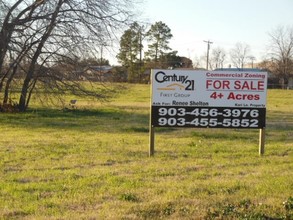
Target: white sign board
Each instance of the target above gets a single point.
(190, 98)
(201, 88)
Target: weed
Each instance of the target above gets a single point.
(288, 204)
(129, 197)
(157, 211)
(138, 129)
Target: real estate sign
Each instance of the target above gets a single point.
(215, 99)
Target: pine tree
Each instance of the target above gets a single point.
(130, 54)
(158, 37)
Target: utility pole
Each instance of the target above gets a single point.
(252, 58)
(140, 35)
(208, 52)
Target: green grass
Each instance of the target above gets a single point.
(92, 163)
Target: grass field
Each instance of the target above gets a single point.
(92, 163)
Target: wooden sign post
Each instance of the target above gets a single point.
(261, 141)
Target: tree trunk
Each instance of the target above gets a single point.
(7, 86)
(23, 102)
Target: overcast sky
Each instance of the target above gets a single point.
(224, 22)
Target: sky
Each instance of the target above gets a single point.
(223, 22)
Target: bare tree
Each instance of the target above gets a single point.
(14, 16)
(281, 52)
(218, 58)
(38, 36)
(239, 54)
(252, 59)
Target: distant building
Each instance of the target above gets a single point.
(99, 73)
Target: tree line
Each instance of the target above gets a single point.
(46, 46)
(278, 60)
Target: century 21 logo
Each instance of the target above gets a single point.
(176, 81)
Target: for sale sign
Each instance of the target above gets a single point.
(219, 99)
